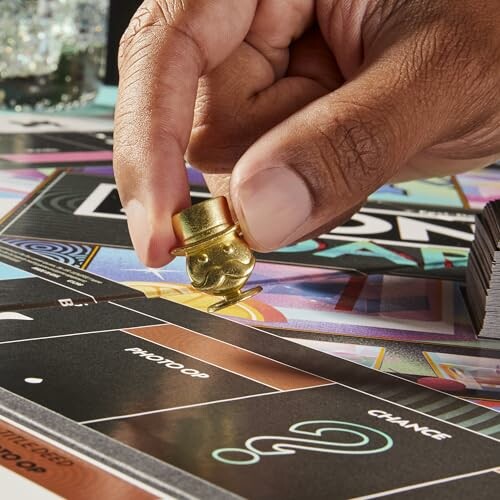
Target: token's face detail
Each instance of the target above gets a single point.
(221, 267)
(218, 259)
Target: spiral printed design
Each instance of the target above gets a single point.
(72, 254)
(62, 202)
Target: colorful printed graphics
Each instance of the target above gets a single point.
(313, 299)
(478, 373)
(55, 149)
(491, 404)
(390, 241)
(370, 356)
(16, 185)
(65, 253)
(480, 186)
(209, 407)
(78, 207)
(8, 272)
(29, 280)
(436, 192)
(294, 297)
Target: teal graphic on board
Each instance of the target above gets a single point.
(361, 442)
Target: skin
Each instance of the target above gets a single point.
(297, 110)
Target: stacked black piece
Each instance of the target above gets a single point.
(483, 273)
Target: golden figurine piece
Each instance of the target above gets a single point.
(218, 260)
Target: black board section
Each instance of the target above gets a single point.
(31, 280)
(317, 443)
(393, 388)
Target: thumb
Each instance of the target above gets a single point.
(311, 170)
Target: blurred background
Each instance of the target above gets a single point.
(55, 54)
(120, 13)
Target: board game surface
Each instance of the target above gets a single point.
(355, 373)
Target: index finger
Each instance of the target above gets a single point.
(167, 47)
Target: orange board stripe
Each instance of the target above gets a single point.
(245, 363)
(59, 471)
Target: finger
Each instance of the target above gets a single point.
(328, 157)
(276, 24)
(231, 115)
(167, 47)
(310, 57)
(220, 135)
(338, 220)
(218, 184)
(247, 95)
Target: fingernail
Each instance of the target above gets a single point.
(273, 205)
(139, 228)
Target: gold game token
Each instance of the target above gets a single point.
(218, 260)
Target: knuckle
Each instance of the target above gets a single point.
(172, 10)
(223, 129)
(151, 24)
(175, 17)
(353, 155)
(144, 19)
(213, 148)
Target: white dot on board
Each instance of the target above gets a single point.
(33, 380)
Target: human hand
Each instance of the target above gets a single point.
(298, 109)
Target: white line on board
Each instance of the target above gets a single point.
(392, 243)
(206, 403)
(420, 412)
(423, 485)
(66, 286)
(83, 457)
(200, 359)
(42, 192)
(233, 345)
